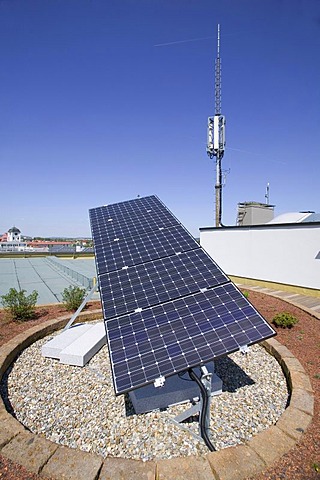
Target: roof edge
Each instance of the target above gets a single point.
(262, 226)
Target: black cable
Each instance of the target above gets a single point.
(203, 392)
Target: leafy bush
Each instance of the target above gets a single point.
(72, 297)
(245, 293)
(316, 467)
(19, 305)
(284, 320)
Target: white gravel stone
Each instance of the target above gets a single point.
(77, 407)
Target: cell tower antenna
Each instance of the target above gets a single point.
(216, 134)
(267, 195)
(217, 91)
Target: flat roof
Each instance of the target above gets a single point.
(37, 273)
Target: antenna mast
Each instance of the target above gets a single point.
(216, 134)
(267, 193)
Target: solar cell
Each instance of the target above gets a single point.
(132, 250)
(167, 305)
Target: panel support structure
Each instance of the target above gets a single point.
(83, 304)
(202, 407)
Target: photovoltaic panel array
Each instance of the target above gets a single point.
(140, 286)
(131, 218)
(128, 250)
(167, 305)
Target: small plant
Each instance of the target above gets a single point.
(72, 297)
(284, 320)
(246, 293)
(316, 467)
(19, 305)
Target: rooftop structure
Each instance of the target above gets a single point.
(254, 213)
(296, 217)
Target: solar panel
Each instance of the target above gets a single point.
(181, 334)
(167, 305)
(127, 250)
(129, 218)
(158, 281)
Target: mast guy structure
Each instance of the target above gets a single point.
(216, 136)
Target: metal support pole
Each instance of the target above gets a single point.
(217, 190)
(87, 298)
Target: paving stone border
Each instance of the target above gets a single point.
(58, 462)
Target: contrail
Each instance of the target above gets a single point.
(257, 153)
(182, 41)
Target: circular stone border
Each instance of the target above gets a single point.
(41, 456)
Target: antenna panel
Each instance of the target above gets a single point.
(210, 136)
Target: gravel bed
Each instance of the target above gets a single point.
(77, 407)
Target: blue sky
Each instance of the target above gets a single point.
(101, 101)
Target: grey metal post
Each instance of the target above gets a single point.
(87, 298)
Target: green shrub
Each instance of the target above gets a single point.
(245, 293)
(72, 297)
(19, 305)
(284, 320)
(316, 467)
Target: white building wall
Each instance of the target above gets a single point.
(281, 253)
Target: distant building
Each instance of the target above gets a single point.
(11, 241)
(14, 235)
(13, 247)
(14, 241)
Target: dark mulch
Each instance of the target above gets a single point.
(304, 342)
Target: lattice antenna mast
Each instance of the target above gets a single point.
(217, 78)
(216, 135)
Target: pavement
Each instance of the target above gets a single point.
(307, 302)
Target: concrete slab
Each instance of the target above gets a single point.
(10, 425)
(294, 422)
(54, 347)
(307, 301)
(127, 469)
(70, 464)
(280, 352)
(302, 400)
(300, 380)
(291, 364)
(83, 348)
(5, 437)
(271, 444)
(185, 468)
(236, 463)
(316, 308)
(29, 450)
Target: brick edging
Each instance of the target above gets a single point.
(40, 455)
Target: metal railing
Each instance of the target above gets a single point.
(78, 277)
